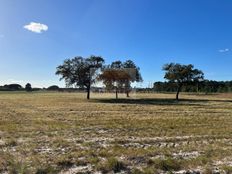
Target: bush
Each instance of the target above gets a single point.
(53, 88)
(28, 87)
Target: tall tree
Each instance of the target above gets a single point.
(80, 71)
(182, 74)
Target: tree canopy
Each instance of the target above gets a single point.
(80, 71)
(28, 87)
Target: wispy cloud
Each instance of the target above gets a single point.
(224, 50)
(36, 27)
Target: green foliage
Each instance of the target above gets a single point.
(11, 87)
(182, 74)
(206, 86)
(53, 88)
(28, 87)
(80, 71)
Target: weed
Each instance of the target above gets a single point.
(168, 164)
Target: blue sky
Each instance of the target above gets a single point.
(150, 32)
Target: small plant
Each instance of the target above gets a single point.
(149, 170)
(46, 170)
(112, 164)
(136, 171)
(65, 163)
(168, 164)
(203, 160)
(18, 167)
(116, 165)
(93, 160)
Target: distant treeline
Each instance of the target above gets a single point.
(207, 86)
(17, 87)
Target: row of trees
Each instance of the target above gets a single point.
(206, 86)
(83, 72)
(15, 87)
(28, 88)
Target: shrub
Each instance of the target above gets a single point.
(28, 87)
(53, 88)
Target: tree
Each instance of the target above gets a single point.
(28, 87)
(53, 88)
(113, 78)
(182, 74)
(134, 73)
(120, 75)
(13, 87)
(80, 71)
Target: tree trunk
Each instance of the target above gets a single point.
(127, 93)
(127, 87)
(116, 92)
(88, 92)
(178, 91)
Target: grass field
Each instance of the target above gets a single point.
(149, 133)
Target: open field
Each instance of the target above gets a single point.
(149, 133)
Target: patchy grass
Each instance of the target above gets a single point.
(111, 164)
(148, 133)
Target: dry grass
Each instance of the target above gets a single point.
(63, 132)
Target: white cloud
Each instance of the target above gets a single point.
(36, 27)
(224, 50)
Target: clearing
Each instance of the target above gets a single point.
(149, 133)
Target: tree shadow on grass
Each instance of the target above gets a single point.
(159, 101)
